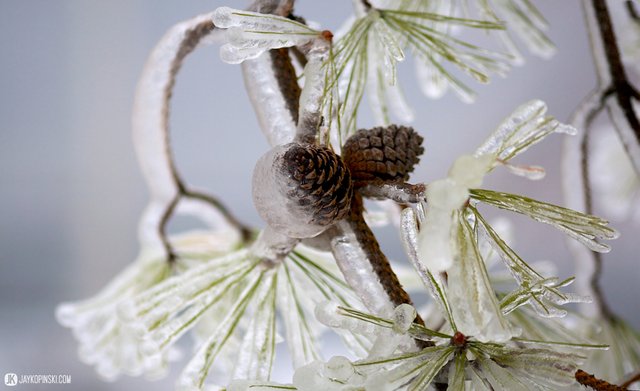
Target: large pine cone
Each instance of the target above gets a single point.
(301, 189)
(382, 154)
(319, 181)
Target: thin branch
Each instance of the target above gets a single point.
(634, 378)
(624, 91)
(191, 40)
(402, 193)
(585, 170)
(162, 230)
(590, 381)
(151, 129)
(578, 195)
(632, 11)
(246, 232)
(612, 84)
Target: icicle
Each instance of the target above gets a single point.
(474, 303)
(533, 173)
(249, 34)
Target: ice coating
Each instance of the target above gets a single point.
(249, 34)
(314, 89)
(387, 38)
(467, 171)
(473, 301)
(530, 28)
(257, 352)
(614, 179)
(526, 126)
(435, 248)
(244, 45)
(270, 107)
(383, 90)
(403, 317)
(226, 17)
(104, 341)
(533, 173)
(339, 368)
(330, 314)
(300, 328)
(354, 263)
(271, 197)
(410, 237)
(150, 124)
(194, 374)
(579, 226)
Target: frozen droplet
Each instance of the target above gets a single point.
(309, 378)
(533, 173)
(327, 314)
(149, 347)
(339, 368)
(223, 17)
(566, 129)
(403, 317)
(66, 314)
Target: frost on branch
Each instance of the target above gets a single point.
(111, 344)
(249, 34)
(365, 57)
(455, 359)
(452, 231)
(233, 300)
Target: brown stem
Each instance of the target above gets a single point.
(623, 89)
(245, 231)
(634, 378)
(379, 261)
(192, 39)
(402, 193)
(162, 230)
(285, 74)
(594, 383)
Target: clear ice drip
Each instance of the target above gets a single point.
(525, 127)
(249, 34)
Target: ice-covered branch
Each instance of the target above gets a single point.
(621, 109)
(578, 195)
(151, 131)
(615, 93)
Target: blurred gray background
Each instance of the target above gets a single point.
(71, 191)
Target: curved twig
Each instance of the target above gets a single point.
(624, 91)
(615, 93)
(578, 195)
(151, 132)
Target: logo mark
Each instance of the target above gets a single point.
(10, 379)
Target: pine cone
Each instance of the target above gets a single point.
(318, 180)
(382, 154)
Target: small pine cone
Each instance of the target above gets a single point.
(319, 181)
(382, 154)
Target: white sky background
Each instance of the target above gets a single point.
(71, 191)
